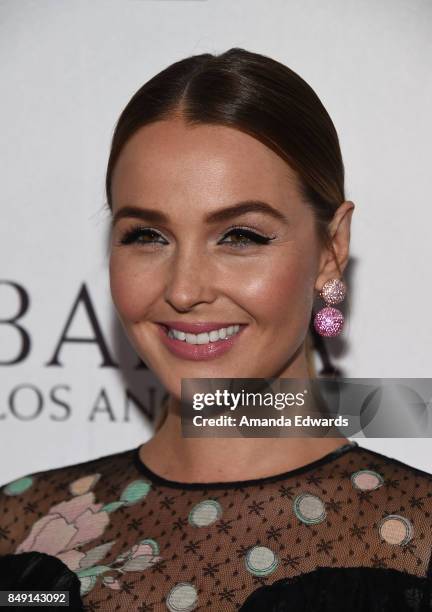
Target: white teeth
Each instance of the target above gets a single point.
(204, 338)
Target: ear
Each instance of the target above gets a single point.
(338, 254)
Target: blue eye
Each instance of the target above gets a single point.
(246, 237)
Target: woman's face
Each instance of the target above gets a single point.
(173, 259)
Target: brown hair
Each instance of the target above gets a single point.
(264, 98)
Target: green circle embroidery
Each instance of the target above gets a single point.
(309, 508)
(261, 561)
(18, 486)
(182, 597)
(205, 513)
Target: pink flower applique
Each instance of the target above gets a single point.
(71, 524)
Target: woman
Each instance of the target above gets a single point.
(226, 187)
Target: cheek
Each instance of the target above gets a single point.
(280, 288)
(132, 289)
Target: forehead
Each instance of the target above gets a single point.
(171, 158)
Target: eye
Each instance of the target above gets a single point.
(245, 237)
(141, 235)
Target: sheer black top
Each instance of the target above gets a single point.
(350, 531)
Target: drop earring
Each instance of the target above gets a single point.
(329, 321)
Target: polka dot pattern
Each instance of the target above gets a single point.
(208, 547)
(205, 513)
(309, 508)
(396, 529)
(261, 561)
(182, 598)
(367, 480)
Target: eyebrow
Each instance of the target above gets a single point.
(222, 214)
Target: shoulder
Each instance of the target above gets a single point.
(363, 508)
(394, 469)
(392, 502)
(391, 485)
(60, 477)
(54, 499)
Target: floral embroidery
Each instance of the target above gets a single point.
(68, 525)
(18, 486)
(71, 524)
(84, 484)
(136, 559)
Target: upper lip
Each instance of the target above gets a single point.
(196, 328)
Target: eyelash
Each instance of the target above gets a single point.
(131, 236)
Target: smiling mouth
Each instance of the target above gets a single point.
(208, 337)
(202, 345)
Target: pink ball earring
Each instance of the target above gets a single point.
(329, 321)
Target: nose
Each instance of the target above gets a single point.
(190, 280)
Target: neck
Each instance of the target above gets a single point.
(175, 457)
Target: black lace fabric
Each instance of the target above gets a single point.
(349, 531)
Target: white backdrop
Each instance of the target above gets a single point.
(68, 68)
